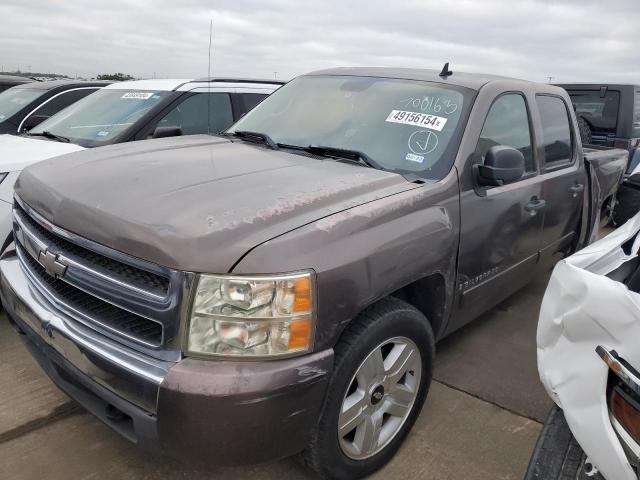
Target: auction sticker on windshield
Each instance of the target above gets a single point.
(138, 95)
(432, 122)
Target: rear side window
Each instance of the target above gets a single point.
(636, 115)
(62, 101)
(598, 107)
(192, 117)
(556, 131)
(507, 123)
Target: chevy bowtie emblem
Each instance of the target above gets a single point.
(51, 263)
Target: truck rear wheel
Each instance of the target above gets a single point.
(627, 204)
(383, 367)
(585, 131)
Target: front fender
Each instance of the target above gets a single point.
(367, 252)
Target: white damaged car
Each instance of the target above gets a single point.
(589, 362)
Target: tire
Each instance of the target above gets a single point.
(557, 455)
(390, 329)
(585, 131)
(627, 205)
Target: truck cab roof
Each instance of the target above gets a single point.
(472, 81)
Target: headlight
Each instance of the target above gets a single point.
(258, 316)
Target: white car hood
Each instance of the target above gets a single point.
(17, 153)
(583, 308)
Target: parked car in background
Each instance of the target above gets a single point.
(24, 106)
(123, 112)
(589, 362)
(610, 116)
(281, 287)
(8, 81)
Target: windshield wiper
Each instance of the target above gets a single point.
(343, 153)
(51, 136)
(253, 136)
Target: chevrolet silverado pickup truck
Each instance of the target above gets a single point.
(124, 112)
(280, 288)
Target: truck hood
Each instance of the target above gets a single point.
(195, 203)
(17, 153)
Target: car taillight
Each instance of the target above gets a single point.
(626, 411)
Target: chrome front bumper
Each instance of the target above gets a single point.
(132, 376)
(220, 412)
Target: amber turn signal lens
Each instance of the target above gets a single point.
(300, 334)
(302, 291)
(626, 413)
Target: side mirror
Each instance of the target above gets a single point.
(33, 121)
(164, 132)
(502, 165)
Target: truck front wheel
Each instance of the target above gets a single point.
(383, 366)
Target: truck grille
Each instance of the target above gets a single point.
(104, 314)
(123, 272)
(98, 287)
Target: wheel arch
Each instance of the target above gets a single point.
(427, 294)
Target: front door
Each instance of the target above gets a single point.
(501, 226)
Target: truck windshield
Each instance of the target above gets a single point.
(15, 99)
(98, 118)
(403, 126)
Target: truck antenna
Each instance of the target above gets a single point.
(209, 79)
(445, 70)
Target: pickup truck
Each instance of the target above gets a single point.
(124, 112)
(280, 288)
(609, 115)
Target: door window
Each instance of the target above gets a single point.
(556, 131)
(192, 117)
(250, 100)
(62, 101)
(507, 123)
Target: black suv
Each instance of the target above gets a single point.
(8, 81)
(609, 115)
(25, 106)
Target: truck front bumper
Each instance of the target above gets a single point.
(219, 412)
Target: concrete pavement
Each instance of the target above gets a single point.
(481, 419)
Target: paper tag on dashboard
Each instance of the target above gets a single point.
(432, 122)
(138, 95)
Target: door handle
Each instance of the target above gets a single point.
(576, 189)
(534, 205)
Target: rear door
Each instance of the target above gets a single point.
(500, 226)
(564, 178)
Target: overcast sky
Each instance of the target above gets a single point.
(570, 40)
